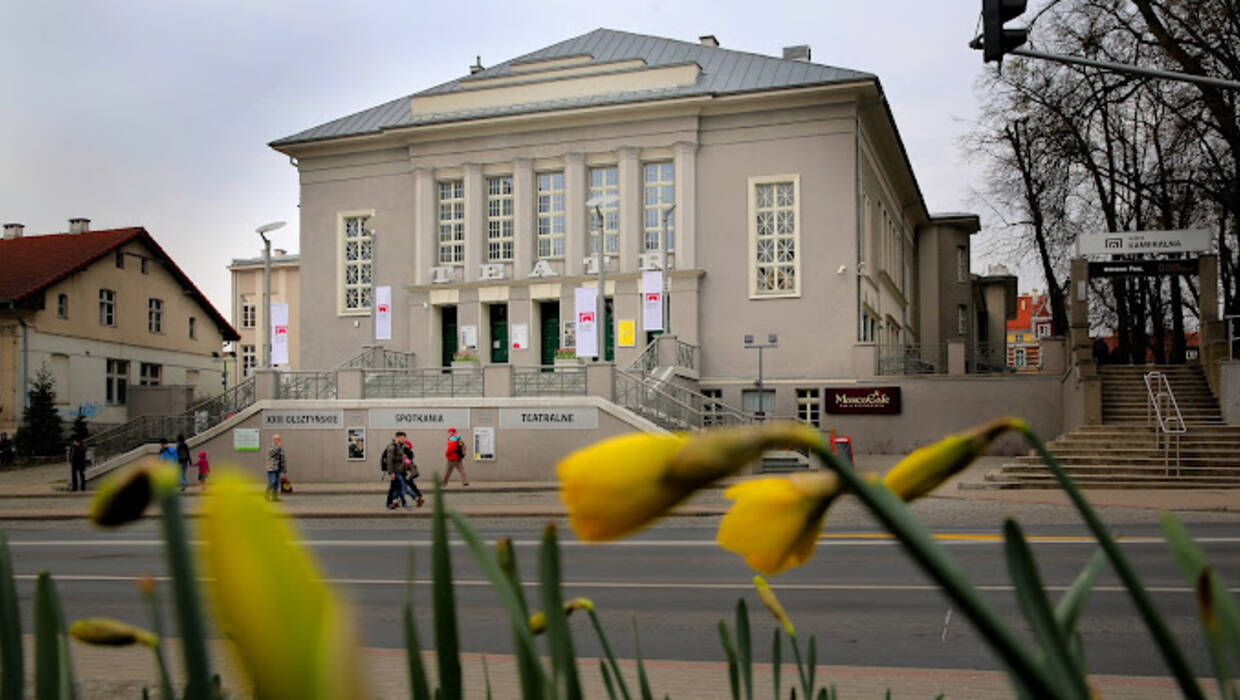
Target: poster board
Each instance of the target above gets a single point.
(626, 333)
(246, 440)
(484, 443)
(356, 449)
(520, 336)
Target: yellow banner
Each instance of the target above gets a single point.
(626, 331)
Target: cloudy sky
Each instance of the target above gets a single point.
(158, 113)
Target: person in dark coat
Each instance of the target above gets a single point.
(77, 465)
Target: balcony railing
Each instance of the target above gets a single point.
(912, 359)
(420, 383)
(307, 385)
(539, 381)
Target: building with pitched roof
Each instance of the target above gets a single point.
(775, 192)
(1025, 332)
(248, 315)
(103, 311)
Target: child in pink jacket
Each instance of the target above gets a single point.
(204, 468)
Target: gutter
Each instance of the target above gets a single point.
(25, 354)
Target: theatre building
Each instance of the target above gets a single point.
(774, 192)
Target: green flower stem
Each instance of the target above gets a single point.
(935, 562)
(157, 621)
(185, 594)
(12, 665)
(1145, 606)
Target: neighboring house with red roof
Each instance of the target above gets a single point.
(1025, 332)
(103, 311)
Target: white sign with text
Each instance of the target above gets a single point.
(586, 307)
(1136, 242)
(285, 419)
(577, 418)
(419, 418)
(279, 334)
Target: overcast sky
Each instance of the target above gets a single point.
(158, 113)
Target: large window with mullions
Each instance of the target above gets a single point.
(357, 260)
(774, 236)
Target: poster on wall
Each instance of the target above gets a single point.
(484, 443)
(357, 444)
(652, 300)
(586, 306)
(625, 332)
(246, 439)
(570, 335)
(279, 334)
(520, 336)
(469, 338)
(864, 400)
(383, 313)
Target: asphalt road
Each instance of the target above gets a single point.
(860, 595)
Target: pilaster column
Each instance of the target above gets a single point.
(631, 225)
(524, 202)
(425, 236)
(475, 220)
(1212, 342)
(685, 158)
(576, 237)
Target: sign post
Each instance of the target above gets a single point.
(1143, 242)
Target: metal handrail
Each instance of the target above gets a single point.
(307, 385)
(673, 406)
(648, 359)
(1168, 428)
(912, 358)
(424, 382)
(546, 381)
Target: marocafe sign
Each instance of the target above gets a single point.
(864, 400)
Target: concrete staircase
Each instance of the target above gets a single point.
(1123, 452)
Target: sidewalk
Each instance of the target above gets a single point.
(122, 672)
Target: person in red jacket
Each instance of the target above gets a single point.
(455, 453)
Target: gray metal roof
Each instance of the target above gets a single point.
(723, 71)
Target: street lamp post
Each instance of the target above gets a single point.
(600, 303)
(772, 341)
(667, 282)
(262, 231)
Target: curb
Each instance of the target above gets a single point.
(419, 514)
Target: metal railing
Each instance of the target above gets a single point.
(686, 355)
(648, 360)
(1162, 412)
(375, 357)
(540, 381)
(683, 355)
(989, 358)
(307, 385)
(419, 383)
(912, 359)
(672, 406)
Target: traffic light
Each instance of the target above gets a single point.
(996, 40)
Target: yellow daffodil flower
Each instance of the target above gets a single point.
(622, 484)
(293, 636)
(123, 498)
(105, 631)
(775, 522)
(767, 596)
(538, 621)
(925, 469)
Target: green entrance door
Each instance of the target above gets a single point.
(549, 331)
(448, 324)
(609, 331)
(499, 332)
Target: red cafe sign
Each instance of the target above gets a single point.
(864, 400)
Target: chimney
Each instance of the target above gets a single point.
(477, 67)
(797, 53)
(709, 40)
(13, 231)
(997, 269)
(79, 225)
(280, 252)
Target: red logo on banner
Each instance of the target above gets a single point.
(585, 317)
(653, 296)
(383, 308)
(281, 330)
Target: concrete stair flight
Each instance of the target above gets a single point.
(1123, 451)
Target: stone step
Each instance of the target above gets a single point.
(1194, 450)
(1111, 466)
(1128, 462)
(1117, 483)
(1196, 446)
(1120, 475)
(1137, 428)
(1143, 400)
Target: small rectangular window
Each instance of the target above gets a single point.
(1019, 358)
(962, 320)
(117, 382)
(358, 264)
(755, 403)
(145, 266)
(249, 360)
(248, 315)
(551, 215)
(809, 407)
(193, 328)
(107, 307)
(774, 226)
(62, 306)
(712, 407)
(150, 374)
(659, 181)
(605, 182)
(120, 260)
(962, 264)
(499, 219)
(155, 315)
(451, 222)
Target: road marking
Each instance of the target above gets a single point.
(641, 585)
(830, 539)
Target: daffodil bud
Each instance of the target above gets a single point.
(775, 522)
(123, 498)
(767, 596)
(925, 469)
(538, 623)
(104, 631)
(713, 454)
(578, 604)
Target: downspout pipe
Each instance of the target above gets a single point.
(25, 354)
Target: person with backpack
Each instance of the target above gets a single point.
(455, 454)
(183, 458)
(392, 464)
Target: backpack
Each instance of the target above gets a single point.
(455, 449)
(183, 452)
(391, 458)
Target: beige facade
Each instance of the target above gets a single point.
(849, 259)
(155, 332)
(249, 314)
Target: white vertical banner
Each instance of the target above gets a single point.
(279, 334)
(383, 313)
(652, 300)
(587, 323)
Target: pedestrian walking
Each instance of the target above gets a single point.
(183, 459)
(392, 465)
(276, 465)
(204, 469)
(455, 453)
(6, 450)
(77, 465)
(166, 452)
(410, 474)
